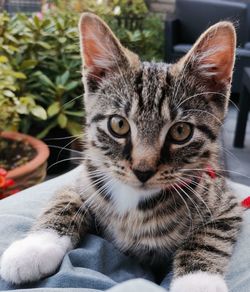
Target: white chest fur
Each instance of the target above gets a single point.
(125, 197)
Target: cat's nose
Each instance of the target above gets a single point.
(143, 176)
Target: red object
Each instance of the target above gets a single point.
(211, 172)
(3, 172)
(246, 202)
(9, 183)
(6, 184)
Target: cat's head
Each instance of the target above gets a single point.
(149, 125)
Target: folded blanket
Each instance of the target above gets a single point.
(96, 265)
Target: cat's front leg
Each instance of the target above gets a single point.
(199, 265)
(40, 253)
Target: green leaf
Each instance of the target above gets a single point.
(22, 109)
(54, 109)
(8, 93)
(44, 45)
(27, 100)
(46, 131)
(71, 85)
(11, 38)
(36, 21)
(39, 112)
(3, 59)
(74, 128)
(19, 75)
(62, 40)
(65, 77)
(62, 120)
(45, 80)
(74, 114)
(28, 64)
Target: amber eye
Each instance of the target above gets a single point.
(118, 126)
(181, 132)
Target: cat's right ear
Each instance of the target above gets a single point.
(212, 56)
(101, 51)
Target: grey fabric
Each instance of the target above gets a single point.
(197, 15)
(182, 48)
(247, 2)
(96, 265)
(240, 52)
(247, 46)
(193, 17)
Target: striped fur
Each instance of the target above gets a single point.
(180, 213)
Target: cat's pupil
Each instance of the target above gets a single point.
(120, 124)
(180, 130)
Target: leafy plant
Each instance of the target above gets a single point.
(146, 41)
(44, 53)
(131, 21)
(40, 80)
(9, 103)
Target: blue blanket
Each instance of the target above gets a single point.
(95, 265)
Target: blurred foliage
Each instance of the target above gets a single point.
(40, 80)
(103, 7)
(9, 117)
(40, 73)
(130, 20)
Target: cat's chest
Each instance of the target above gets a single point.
(144, 232)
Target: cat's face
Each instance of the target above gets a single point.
(149, 125)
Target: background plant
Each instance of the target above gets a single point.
(40, 80)
(135, 26)
(9, 118)
(44, 54)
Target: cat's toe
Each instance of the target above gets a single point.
(199, 282)
(33, 257)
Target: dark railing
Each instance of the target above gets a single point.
(130, 22)
(25, 6)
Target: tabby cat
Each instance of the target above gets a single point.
(150, 176)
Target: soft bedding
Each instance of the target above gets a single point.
(96, 265)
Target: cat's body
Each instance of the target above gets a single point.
(151, 182)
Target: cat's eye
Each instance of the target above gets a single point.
(118, 126)
(180, 132)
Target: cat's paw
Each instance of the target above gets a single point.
(199, 282)
(136, 285)
(34, 257)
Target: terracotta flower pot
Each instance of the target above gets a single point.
(34, 171)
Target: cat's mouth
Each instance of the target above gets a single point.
(167, 186)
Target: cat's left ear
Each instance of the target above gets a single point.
(101, 51)
(213, 54)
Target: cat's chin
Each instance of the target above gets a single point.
(126, 197)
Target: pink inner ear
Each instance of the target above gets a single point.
(99, 46)
(91, 49)
(217, 54)
(91, 53)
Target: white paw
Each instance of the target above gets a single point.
(33, 257)
(199, 282)
(135, 286)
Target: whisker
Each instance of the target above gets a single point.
(187, 207)
(193, 202)
(62, 138)
(217, 169)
